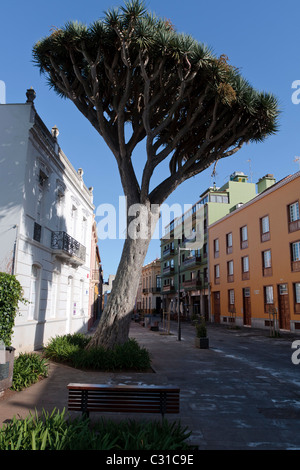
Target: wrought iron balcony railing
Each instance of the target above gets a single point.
(67, 247)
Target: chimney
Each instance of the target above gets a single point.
(265, 182)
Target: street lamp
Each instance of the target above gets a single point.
(178, 301)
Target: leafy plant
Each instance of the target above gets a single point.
(11, 294)
(201, 331)
(72, 349)
(28, 369)
(55, 432)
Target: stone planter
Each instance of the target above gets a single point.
(202, 343)
(6, 369)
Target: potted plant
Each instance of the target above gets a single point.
(11, 294)
(201, 340)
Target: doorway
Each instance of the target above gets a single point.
(283, 307)
(217, 312)
(247, 306)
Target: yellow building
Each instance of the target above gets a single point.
(254, 259)
(148, 298)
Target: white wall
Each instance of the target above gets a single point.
(25, 151)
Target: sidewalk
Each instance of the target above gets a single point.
(228, 400)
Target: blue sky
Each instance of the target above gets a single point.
(261, 38)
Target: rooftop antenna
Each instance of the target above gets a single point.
(297, 159)
(250, 170)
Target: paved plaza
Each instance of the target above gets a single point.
(241, 393)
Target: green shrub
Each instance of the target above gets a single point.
(28, 369)
(71, 349)
(11, 294)
(54, 432)
(62, 348)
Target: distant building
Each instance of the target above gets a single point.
(96, 279)
(149, 293)
(187, 235)
(106, 289)
(46, 220)
(255, 272)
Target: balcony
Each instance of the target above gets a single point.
(95, 275)
(168, 288)
(168, 269)
(67, 248)
(192, 261)
(168, 252)
(155, 290)
(190, 239)
(192, 284)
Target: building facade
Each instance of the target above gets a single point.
(185, 252)
(96, 279)
(255, 259)
(46, 220)
(149, 293)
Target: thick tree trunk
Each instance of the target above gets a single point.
(114, 324)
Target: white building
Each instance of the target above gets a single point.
(46, 219)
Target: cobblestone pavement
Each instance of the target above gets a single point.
(241, 393)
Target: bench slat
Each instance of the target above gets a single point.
(123, 398)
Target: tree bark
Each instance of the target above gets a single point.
(114, 324)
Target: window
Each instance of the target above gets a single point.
(231, 296)
(293, 217)
(297, 297)
(267, 258)
(295, 255)
(74, 221)
(268, 298)
(244, 237)
(217, 273)
(42, 179)
(294, 211)
(296, 251)
(245, 268)
(216, 248)
(230, 271)
(229, 243)
(267, 263)
(265, 228)
(37, 232)
(265, 224)
(245, 264)
(230, 267)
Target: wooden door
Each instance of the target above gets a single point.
(283, 307)
(247, 306)
(217, 312)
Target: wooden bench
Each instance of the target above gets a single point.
(123, 398)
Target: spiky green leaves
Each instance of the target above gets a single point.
(133, 67)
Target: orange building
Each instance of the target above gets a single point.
(254, 259)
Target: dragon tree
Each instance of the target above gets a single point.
(135, 78)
